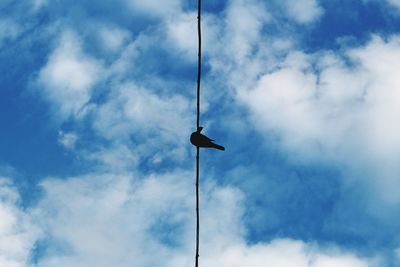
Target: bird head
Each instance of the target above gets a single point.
(199, 129)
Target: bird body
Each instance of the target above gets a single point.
(200, 140)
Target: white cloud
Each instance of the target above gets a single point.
(304, 11)
(283, 100)
(244, 21)
(129, 112)
(129, 216)
(180, 31)
(284, 253)
(113, 38)
(156, 8)
(241, 51)
(344, 112)
(109, 220)
(69, 76)
(37, 4)
(17, 232)
(68, 140)
(345, 260)
(118, 158)
(137, 113)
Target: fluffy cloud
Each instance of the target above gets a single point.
(244, 21)
(68, 140)
(137, 218)
(304, 11)
(347, 110)
(109, 220)
(297, 254)
(17, 232)
(69, 76)
(113, 38)
(183, 39)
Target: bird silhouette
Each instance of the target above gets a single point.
(200, 140)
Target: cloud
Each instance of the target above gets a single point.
(68, 140)
(148, 119)
(286, 102)
(305, 11)
(17, 231)
(139, 217)
(344, 111)
(113, 38)
(117, 157)
(9, 30)
(155, 8)
(131, 106)
(297, 254)
(395, 3)
(328, 106)
(132, 115)
(244, 21)
(68, 78)
(179, 30)
(135, 219)
(37, 4)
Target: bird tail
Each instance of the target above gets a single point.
(218, 147)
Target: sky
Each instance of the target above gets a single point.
(98, 100)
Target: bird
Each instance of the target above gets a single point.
(200, 140)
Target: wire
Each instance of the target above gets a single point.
(198, 126)
(197, 205)
(199, 63)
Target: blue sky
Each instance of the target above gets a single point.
(97, 101)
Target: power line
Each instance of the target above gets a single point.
(198, 127)
(199, 62)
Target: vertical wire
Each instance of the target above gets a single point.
(198, 126)
(197, 206)
(199, 63)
